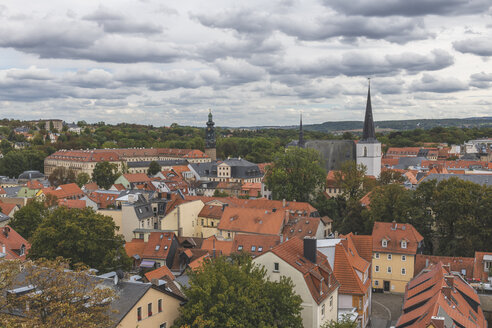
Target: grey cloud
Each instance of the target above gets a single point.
(239, 48)
(363, 64)
(408, 8)
(114, 22)
(163, 80)
(94, 78)
(32, 73)
(429, 83)
(481, 80)
(238, 71)
(477, 46)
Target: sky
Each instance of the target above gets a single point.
(251, 62)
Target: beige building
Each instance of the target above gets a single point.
(311, 274)
(394, 248)
(183, 219)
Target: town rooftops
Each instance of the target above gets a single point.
(220, 246)
(392, 237)
(252, 220)
(158, 245)
(301, 227)
(438, 294)
(462, 265)
(160, 273)
(211, 211)
(16, 247)
(346, 264)
(254, 244)
(318, 276)
(481, 179)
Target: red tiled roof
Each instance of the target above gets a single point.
(222, 247)
(395, 232)
(72, 203)
(104, 199)
(13, 243)
(389, 161)
(2, 191)
(92, 186)
(317, 275)
(344, 269)
(254, 244)
(34, 184)
(158, 245)
(252, 220)
(65, 191)
(366, 200)
(136, 177)
(211, 211)
(438, 292)
(402, 151)
(363, 243)
(135, 247)
(301, 227)
(478, 271)
(160, 273)
(7, 208)
(119, 187)
(197, 263)
(457, 264)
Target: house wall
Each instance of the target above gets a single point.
(311, 311)
(396, 279)
(208, 228)
(187, 213)
(116, 215)
(369, 154)
(170, 311)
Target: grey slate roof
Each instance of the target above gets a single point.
(240, 168)
(143, 211)
(485, 179)
(12, 191)
(29, 175)
(161, 163)
(405, 162)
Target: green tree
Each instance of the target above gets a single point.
(61, 175)
(105, 174)
(296, 174)
(351, 179)
(390, 176)
(345, 322)
(218, 193)
(82, 179)
(28, 218)
(154, 168)
(236, 293)
(81, 235)
(391, 202)
(63, 299)
(17, 161)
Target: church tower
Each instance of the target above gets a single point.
(368, 147)
(210, 149)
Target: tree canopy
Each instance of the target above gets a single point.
(296, 174)
(64, 299)
(236, 293)
(154, 168)
(28, 218)
(105, 174)
(81, 235)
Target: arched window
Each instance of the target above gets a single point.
(365, 151)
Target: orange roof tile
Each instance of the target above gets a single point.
(119, 187)
(211, 211)
(13, 243)
(301, 227)
(72, 203)
(222, 247)
(394, 233)
(160, 273)
(252, 220)
(7, 208)
(363, 243)
(34, 184)
(197, 263)
(136, 177)
(135, 247)
(158, 245)
(2, 191)
(92, 186)
(457, 264)
(344, 270)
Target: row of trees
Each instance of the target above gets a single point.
(80, 235)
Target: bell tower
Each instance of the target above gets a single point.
(210, 149)
(368, 147)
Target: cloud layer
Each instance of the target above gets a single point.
(253, 63)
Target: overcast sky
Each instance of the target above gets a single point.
(252, 62)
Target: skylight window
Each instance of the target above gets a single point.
(253, 248)
(240, 248)
(157, 247)
(260, 248)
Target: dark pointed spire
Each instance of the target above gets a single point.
(301, 135)
(369, 133)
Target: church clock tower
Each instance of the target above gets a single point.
(210, 149)
(368, 147)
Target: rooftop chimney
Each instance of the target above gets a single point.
(437, 322)
(283, 202)
(286, 219)
(446, 290)
(310, 248)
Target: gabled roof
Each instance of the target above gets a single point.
(34, 184)
(316, 275)
(158, 245)
(457, 264)
(211, 211)
(72, 203)
(13, 243)
(135, 247)
(136, 177)
(7, 208)
(91, 186)
(301, 227)
(160, 273)
(363, 243)
(394, 233)
(222, 247)
(438, 292)
(252, 220)
(344, 269)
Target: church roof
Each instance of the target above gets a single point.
(368, 133)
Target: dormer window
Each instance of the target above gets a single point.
(403, 244)
(22, 250)
(384, 243)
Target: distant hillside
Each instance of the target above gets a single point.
(382, 126)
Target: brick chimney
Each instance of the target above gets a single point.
(310, 248)
(437, 322)
(446, 290)
(449, 280)
(286, 219)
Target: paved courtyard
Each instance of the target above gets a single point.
(386, 309)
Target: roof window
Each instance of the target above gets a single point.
(157, 247)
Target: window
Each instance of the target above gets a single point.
(149, 309)
(163, 325)
(260, 248)
(139, 314)
(331, 302)
(384, 243)
(22, 250)
(276, 267)
(376, 255)
(389, 269)
(253, 248)
(403, 271)
(376, 282)
(390, 256)
(203, 221)
(240, 248)
(159, 306)
(323, 311)
(403, 257)
(403, 244)
(376, 268)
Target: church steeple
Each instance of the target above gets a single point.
(369, 133)
(301, 135)
(210, 137)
